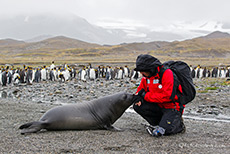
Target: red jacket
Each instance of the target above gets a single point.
(160, 93)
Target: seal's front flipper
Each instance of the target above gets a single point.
(32, 127)
(112, 128)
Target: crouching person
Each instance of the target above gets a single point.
(153, 98)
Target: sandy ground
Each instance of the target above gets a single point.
(202, 135)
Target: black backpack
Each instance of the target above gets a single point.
(182, 76)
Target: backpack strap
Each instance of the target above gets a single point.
(175, 83)
(161, 72)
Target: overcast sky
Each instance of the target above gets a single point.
(142, 11)
(180, 16)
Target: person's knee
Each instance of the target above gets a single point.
(173, 128)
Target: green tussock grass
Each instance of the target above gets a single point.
(211, 88)
(225, 83)
(202, 91)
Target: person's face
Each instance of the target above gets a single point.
(145, 73)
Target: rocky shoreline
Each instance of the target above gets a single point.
(208, 132)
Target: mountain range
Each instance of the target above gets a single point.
(37, 27)
(216, 44)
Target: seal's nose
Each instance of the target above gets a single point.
(131, 96)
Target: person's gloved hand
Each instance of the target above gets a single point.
(142, 93)
(136, 99)
(139, 97)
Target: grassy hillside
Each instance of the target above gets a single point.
(199, 44)
(208, 50)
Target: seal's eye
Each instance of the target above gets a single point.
(124, 96)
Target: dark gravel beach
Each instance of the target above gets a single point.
(207, 120)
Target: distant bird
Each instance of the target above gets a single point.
(22, 75)
(120, 74)
(4, 78)
(37, 75)
(43, 74)
(108, 73)
(82, 74)
(126, 71)
(92, 74)
(193, 73)
(29, 75)
(134, 75)
(52, 74)
(15, 78)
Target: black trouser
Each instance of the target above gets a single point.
(169, 119)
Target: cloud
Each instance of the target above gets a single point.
(147, 11)
(177, 16)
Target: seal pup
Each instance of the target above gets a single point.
(96, 114)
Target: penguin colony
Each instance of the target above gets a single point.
(62, 73)
(215, 72)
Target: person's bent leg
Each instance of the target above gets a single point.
(172, 122)
(151, 112)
